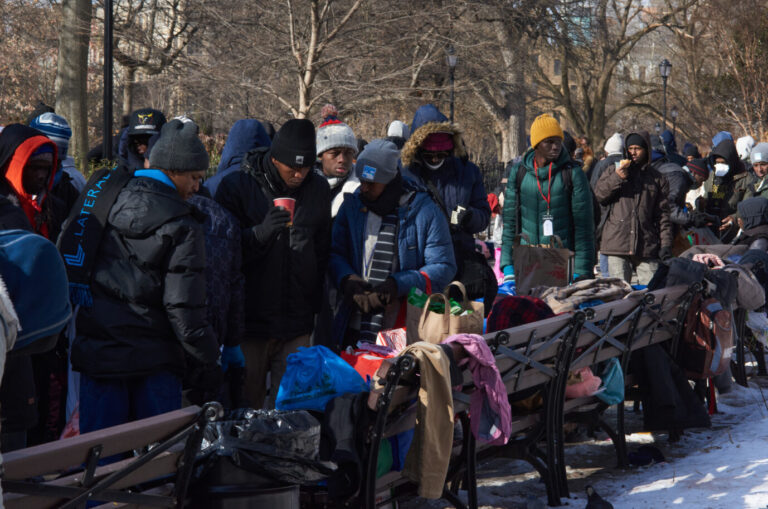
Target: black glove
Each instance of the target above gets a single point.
(353, 285)
(276, 219)
(702, 219)
(665, 253)
(465, 217)
(386, 292)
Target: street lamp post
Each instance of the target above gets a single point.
(107, 145)
(664, 69)
(657, 128)
(451, 59)
(673, 112)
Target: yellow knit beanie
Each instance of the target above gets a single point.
(543, 127)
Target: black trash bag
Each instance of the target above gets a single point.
(277, 446)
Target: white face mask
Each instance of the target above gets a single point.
(434, 167)
(721, 169)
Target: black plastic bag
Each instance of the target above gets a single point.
(277, 446)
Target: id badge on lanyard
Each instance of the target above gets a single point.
(547, 225)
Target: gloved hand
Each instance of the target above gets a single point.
(386, 292)
(702, 219)
(665, 253)
(205, 383)
(509, 273)
(232, 356)
(276, 219)
(353, 285)
(464, 217)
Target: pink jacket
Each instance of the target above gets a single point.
(490, 413)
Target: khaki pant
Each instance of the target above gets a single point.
(264, 356)
(623, 266)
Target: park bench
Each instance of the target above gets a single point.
(67, 473)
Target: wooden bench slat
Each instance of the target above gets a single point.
(61, 455)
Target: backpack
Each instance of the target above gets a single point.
(566, 172)
(707, 342)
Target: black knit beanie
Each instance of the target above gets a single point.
(179, 148)
(294, 143)
(636, 139)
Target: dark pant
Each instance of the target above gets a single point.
(106, 402)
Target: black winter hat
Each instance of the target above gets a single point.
(294, 143)
(179, 148)
(636, 139)
(146, 121)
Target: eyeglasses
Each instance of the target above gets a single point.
(436, 155)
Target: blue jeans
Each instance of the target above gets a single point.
(106, 402)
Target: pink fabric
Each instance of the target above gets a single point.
(497, 267)
(587, 387)
(490, 413)
(437, 142)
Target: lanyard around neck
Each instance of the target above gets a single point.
(547, 198)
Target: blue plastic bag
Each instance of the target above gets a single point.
(613, 383)
(313, 377)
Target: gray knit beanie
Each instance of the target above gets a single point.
(377, 162)
(179, 148)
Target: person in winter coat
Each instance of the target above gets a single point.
(336, 151)
(27, 162)
(726, 185)
(691, 176)
(759, 160)
(225, 286)
(614, 151)
(387, 238)
(753, 220)
(284, 264)
(68, 181)
(143, 128)
(398, 133)
(637, 231)
(245, 135)
(546, 207)
(434, 156)
(691, 152)
(148, 313)
(670, 148)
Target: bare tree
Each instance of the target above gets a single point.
(72, 72)
(590, 39)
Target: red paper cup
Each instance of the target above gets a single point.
(287, 203)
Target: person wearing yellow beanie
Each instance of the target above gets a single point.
(545, 126)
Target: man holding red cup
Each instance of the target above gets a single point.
(283, 267)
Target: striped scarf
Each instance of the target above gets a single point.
(382, 262)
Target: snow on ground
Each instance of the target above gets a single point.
(722, 467)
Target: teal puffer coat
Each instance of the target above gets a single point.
(573, 218)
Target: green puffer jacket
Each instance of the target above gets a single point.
(575, 227)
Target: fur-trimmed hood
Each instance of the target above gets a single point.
(428, 120)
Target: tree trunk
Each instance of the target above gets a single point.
(72, 74)
(129, 80)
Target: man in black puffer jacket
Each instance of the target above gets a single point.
(283, 265)
(148, 314)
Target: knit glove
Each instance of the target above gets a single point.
(509, 273)
(356, 290)
(232, 356)
(276, 219)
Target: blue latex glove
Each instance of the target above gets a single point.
(509, 273)
(232, 356)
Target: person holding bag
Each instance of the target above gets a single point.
(548, 195)
(387, 238)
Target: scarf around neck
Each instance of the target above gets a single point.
(389, 199)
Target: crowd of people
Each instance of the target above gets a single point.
(307, 236)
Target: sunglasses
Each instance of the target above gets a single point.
(436, 155)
